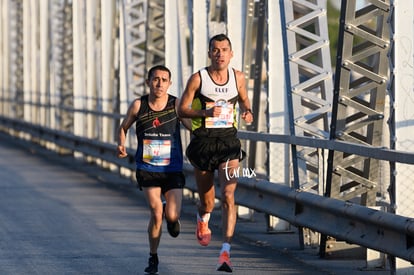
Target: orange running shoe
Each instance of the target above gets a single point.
(203, 233)
(224, 263)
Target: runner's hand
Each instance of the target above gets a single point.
(122, 151)
(247, 116)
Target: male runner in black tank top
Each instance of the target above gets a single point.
(158, 157)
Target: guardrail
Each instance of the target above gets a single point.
(378, 230)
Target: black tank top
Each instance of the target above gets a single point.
(159, 141)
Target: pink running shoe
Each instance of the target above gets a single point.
(203, 233)
(224, 263)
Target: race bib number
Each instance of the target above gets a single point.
(157, 152)
(226, 117)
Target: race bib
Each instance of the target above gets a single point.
(226, 117)
(157, 152)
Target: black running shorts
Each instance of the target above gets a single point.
(166, 181)
(207, 153)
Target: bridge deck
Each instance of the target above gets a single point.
(61, 216)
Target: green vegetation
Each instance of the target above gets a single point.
(333, 30)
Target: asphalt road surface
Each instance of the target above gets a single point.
(60, 216)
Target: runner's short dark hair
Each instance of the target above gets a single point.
(158, 68)
(218, 37)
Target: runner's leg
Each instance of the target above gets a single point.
(153, 197)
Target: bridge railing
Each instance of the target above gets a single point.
(370, 228)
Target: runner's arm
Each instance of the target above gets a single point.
(184, 107)
(244, 101)
(185, 121)
(125, 125)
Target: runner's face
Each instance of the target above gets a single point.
(220, 54)
(159, 83)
